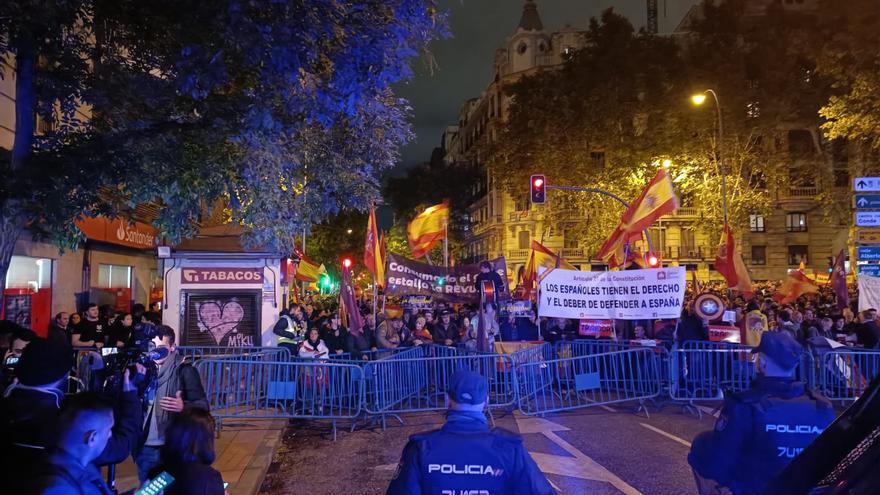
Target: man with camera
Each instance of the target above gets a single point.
(30, 407)
(175, 386)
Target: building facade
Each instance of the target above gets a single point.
(796, 231)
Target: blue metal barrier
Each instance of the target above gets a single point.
(586, 381)
(194, 352)
(846, 373)
(244, 388)
(404, 384)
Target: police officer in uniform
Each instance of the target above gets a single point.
(465, 456)
(762, 429)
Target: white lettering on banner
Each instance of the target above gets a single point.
(869, 293)
(629, 295)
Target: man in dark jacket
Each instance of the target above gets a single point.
(487, 272)
(85, 427)
(445, 331)
(494, 460)
(177, 386)
(762, 429)
(336, 337)
(869, 332)
(29, 410)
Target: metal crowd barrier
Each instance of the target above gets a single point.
(585, 381)
(195, 352)
(709, 373)
(407, 383)
(246, 388)
(846, 373)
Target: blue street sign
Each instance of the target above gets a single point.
(867, 201)
(871, 270)
(869, 253)
(867, 219)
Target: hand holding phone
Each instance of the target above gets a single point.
(156, 485)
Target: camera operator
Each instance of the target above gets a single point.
(19, 339)
(177, 386)
(29, 410)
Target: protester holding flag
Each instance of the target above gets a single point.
(730, 265)
(541, 257)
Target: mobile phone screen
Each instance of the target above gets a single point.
(11, 360)
(156, 485)
(106, 351)
(225, 485)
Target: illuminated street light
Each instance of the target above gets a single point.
(698, 99)
(346, 263)
(349, 231)
(667, 163)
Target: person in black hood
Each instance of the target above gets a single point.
(487, 272)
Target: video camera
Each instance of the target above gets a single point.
(140, 350)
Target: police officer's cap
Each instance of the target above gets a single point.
(467, 387)
(781, 348)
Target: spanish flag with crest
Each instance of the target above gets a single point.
(427, 228)
(656, 200)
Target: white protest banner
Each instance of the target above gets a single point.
(624, 295)
(869, 293)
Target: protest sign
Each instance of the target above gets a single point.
(601, 329)
(416, 302)
(456, 284)
(724, 333)
(869, 293)
(517, 309)
(624, 295)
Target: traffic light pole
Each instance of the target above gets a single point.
(604, 193)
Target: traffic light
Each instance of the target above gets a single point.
(441, 281)
(830, 264)
(538, 187)
(653, 260)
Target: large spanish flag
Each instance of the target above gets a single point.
(374, 255)
(657, 199)
(427, 228)
(307, 269)
(794, 286)
(730, 265)
(541, 256)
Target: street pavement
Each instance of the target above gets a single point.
(599, 450)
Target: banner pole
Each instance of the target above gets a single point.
(375, 295)
(446, 246)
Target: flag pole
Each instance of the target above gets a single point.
(446, 245)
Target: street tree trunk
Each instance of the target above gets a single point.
(11, 212)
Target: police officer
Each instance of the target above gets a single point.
(762, 429)
(465, 456)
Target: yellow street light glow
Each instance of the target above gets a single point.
(698, 99)
(667, 163)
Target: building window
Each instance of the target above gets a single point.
(114, 276)
(759, 255)
(753, 109)
(525, 239)
(797, 255)
(800, 143)
(571, 240)
(756, 223)
(29, 273)
(598, 159)
(521, 48)
(796, 222)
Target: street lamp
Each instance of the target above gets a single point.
(698, 99)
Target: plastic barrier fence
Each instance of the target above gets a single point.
(845, 373)
(586, 381)
(410, 384)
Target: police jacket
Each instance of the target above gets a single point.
(465, 456)
(758, 433)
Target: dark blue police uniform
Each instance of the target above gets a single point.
(466, 457)
(758, 433)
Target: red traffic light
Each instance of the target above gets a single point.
(346, 263)
(538, 191)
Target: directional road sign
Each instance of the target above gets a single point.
(866, 184)
(868, 236)
(872, 270)
(868, 219)
(867, 201)
(869, 253)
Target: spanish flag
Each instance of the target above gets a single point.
(656, 200)
(542, 257)
(730, 265)
(427, 228)
(374, 254)
(307, 269)
(794, 286)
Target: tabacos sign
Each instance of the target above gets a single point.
(219, 275)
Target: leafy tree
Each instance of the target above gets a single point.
(283, 109)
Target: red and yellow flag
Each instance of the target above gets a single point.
(427, 228)
(794, 286)
(542, 257)
(729, 263)
(307, 269)
(657, 199)
(374, 254)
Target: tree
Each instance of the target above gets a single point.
(284, 110)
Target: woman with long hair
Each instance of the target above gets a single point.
(188, 454)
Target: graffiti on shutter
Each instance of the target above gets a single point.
(227, 319)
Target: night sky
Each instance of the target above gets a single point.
(464, 61)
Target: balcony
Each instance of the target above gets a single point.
(572, 253)
(686, 252)
(518, 254)
(519, 216)
(802, 191)
(686, 211)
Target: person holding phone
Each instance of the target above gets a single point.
(188, 454)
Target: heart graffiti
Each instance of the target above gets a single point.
(220, 318)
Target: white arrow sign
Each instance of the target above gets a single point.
(862, 202)
(862, 184)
